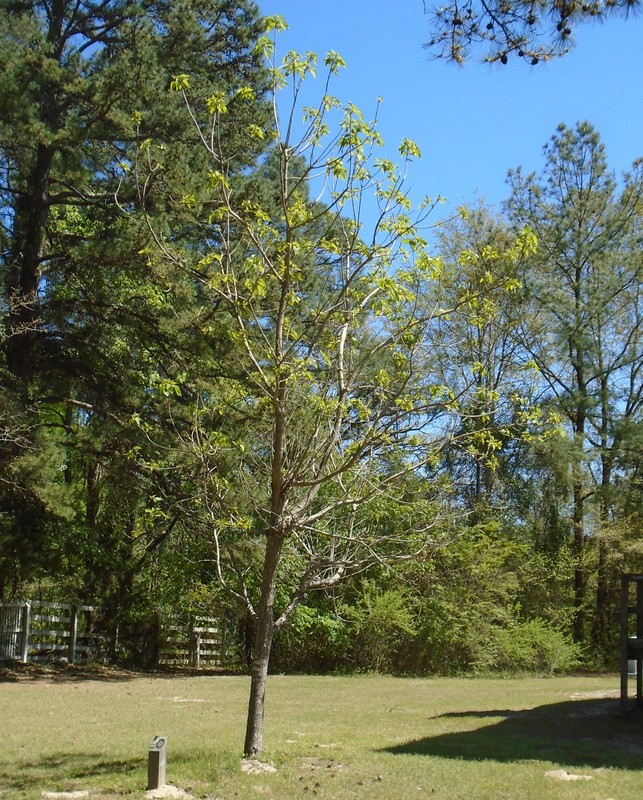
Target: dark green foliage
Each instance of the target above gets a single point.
(473, 606)
(583, 295)
(484, 602)
(318, 640)
(95, 329)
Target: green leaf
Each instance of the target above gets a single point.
(275, 23)
(409, 149)
(245, 93)
(216, 179)
(334, 62)
(180, 83)
(216, 103)
(256, 132)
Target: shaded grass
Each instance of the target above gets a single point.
(580, 734)
(330, 737)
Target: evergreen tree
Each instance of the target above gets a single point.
(584, 292)
(531, 30)
(93, 325)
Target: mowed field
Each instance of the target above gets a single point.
(328, 737)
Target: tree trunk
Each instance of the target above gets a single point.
(578, 527)
(578, 358)
(93, 492)
(262, 646)
(578, 518)
(604, 638)
(32, 213)
(275, 536)
(606, 615)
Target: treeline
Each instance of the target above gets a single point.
(375, 449)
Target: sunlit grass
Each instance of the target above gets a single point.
(329, 737)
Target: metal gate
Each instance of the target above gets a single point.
(41, 630)
(14, 631)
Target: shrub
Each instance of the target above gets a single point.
(382, 622)
(532, 646)
(317, 640)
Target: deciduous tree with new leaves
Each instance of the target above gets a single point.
(479, 351)
(329, 406)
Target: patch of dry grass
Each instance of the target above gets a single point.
(329, 737)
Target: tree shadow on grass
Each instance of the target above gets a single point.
(63, 769)
(582, 733)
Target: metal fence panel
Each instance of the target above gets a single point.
(42, 629)
(14, 631)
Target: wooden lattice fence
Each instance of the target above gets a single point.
(40, 630)
(195, 641)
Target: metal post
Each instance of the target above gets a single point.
(625, 604)
(156, 760)
(639, 636)
(24, 638)
(73, 633)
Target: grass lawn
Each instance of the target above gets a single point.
(329, 737)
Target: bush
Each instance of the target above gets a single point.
(532, 646)
(383, 621)
(366, 634)
(317, 640)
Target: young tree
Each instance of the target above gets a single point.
(327, 408)
(584, 287)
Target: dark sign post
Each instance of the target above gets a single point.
(631, 637)
(156, 760)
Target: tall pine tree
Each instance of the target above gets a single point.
(91, 321)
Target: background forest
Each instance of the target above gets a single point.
(414, 449)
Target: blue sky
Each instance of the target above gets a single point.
(472, 123)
